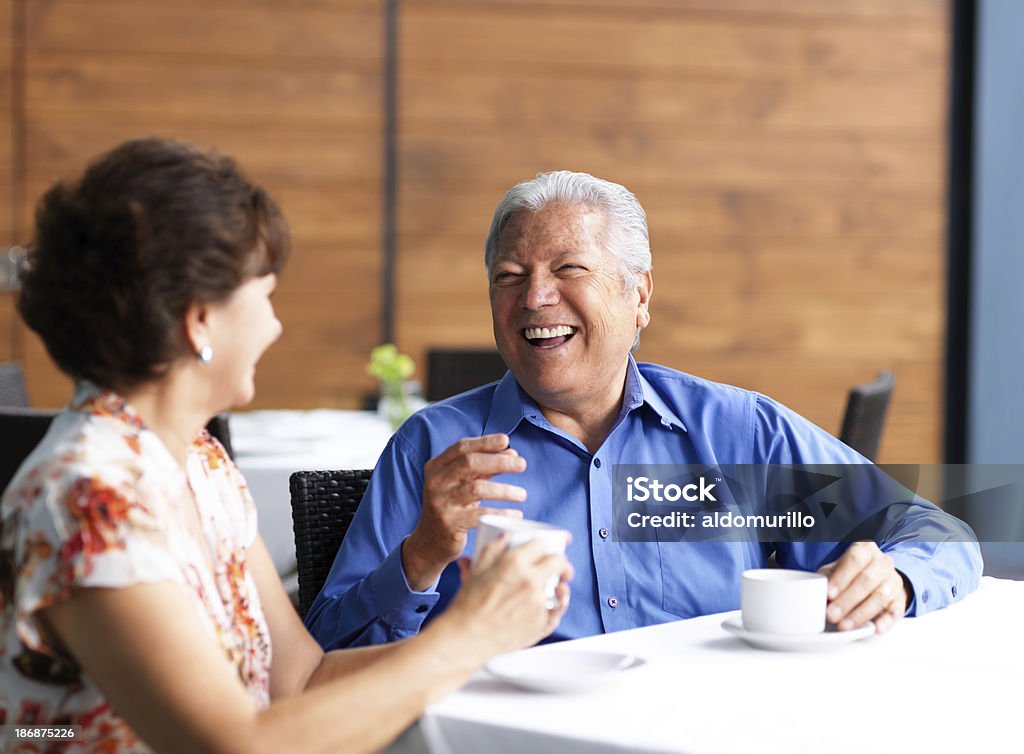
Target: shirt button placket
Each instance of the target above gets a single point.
(602, 532)
(609, 577)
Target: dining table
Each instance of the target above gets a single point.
(270, 445)
(947, 681)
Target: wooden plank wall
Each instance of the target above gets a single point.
(293, 90)
(7, 315)
(790, 156)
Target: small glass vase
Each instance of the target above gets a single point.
(394, 403)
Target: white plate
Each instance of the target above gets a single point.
(559, 670)
(829, 639)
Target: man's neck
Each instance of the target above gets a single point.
(590, 418)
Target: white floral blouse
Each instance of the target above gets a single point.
(100, 504)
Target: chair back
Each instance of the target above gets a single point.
(865, 415)
(12, 385)
(218, 427)
(323, 506)
(21, 429)
(454, 371)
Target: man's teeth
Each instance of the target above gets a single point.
(533, 333)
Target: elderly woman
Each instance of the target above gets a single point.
(138, 600)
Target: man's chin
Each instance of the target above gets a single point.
(546, 390)
(544, 359)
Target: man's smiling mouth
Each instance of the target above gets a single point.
(548, 337)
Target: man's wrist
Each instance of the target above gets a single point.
(420, 572)
(908, 588)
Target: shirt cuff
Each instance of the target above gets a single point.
(397, 604)
(917, 573)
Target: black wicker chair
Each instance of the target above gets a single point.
(865, 415)
(12, 385)
(218, 427)
(21, 429)
(323, 505)
(453, 371)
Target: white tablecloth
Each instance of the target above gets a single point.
(946, 682)
(270, 445)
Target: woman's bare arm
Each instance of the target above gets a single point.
(150, 654)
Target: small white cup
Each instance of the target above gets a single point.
(783, 601)
(520, 531)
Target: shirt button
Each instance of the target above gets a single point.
(597, 462)
(954, 591)
(604, 535)
(422, 609)
(924, 596)
(613, 602)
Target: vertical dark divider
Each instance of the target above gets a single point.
(960, 208)
(389, 241)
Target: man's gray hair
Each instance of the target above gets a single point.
(625, 235)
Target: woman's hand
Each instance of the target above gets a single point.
(502, 604)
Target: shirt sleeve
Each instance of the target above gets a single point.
(79, 530)
(366, 598)
(937, 553)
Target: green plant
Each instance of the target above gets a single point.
(392, 368)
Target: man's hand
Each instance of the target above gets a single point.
(454, 483)
(864, 585)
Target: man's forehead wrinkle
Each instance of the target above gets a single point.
(521, 234)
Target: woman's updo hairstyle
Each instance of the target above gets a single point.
(152, 226)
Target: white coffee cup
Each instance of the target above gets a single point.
(783, 601)
(520, 531)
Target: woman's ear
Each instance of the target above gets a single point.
(197, 330)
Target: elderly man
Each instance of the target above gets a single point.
(569, 264)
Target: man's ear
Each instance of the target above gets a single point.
(197, 330)
(645, 288)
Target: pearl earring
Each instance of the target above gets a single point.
(205, 355)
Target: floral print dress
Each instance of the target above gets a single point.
(101, 503)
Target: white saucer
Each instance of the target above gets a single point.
(559, 670)
(829, 639)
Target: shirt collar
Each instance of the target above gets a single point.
(510, 404)
(644, 392)
(94, 400)
(507, 406)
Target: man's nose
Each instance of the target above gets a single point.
(540, 292)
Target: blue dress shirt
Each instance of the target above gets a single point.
(667, 417)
